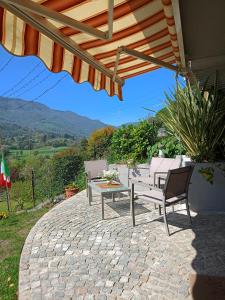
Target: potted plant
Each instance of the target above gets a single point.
(197, 118)
(71, 189)
(110, 175)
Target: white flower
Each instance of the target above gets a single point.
(110, 174)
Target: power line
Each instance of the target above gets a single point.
(43, 93)
(26, 84)
(34, 86)
(21, 80)
(6, 64)
(50, 88)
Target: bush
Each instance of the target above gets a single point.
(65, 167)
(44, 181)
(21, 195)
(132, 141)
(81, 180)
(170, 147)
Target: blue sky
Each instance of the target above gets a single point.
(59, 91)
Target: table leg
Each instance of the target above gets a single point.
(102, 200)
(132, 204)
(113, 197)
(89, 195)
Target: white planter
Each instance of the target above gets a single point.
(206, 194)
(207, 188)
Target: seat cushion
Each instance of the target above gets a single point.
(157, 197)
(151, 195)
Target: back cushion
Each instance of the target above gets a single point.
(161, 164)
(95, 167)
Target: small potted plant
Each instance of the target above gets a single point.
(110, 175)
(71, 189)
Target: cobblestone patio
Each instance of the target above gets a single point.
(72, 254)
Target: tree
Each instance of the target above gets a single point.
(99, 142)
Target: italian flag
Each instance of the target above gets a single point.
(5, 175)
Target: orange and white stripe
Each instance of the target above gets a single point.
(146, 26)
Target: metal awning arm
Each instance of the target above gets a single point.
(119, 51)
(142, 56)
(43, 11)
(109, 33)
(48, 29)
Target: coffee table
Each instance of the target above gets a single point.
(103, 189)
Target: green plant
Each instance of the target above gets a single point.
(99, 142)
(71, 185)
(170, 147)
(3, 215)
(80, 180)
(19, 203)
(65, 167)
(21, 195)
(13, 232)
(132, 141)
(197, 117)
(131, 163)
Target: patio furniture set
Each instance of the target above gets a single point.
(166, 184)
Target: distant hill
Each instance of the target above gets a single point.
(19, 116)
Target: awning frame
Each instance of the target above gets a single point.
(178, 26)
(141, 56)
(45, 27)
(43, 11)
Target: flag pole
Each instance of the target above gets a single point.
(7, 189)
(7, 198)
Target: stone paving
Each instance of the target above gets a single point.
(72, 254)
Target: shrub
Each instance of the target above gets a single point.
(65, 167)
(21, 195)
(170, 147)
(80, 180)
(132, 141)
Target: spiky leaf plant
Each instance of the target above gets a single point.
(197, 118)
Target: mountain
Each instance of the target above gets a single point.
(20, 116)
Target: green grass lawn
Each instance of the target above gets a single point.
(27, 205)
(40, 151)
(13, 232)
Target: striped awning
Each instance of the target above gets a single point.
(103, 42)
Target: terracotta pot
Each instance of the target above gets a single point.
(71, 192)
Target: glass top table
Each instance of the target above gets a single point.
(102, 188)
